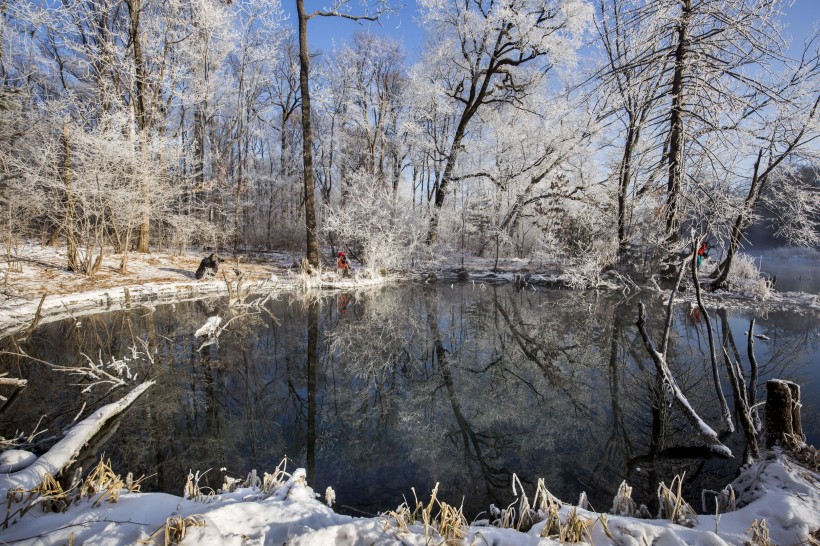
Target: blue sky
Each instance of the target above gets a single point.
(325, 32)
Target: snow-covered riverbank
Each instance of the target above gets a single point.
(39, 288)
(42, 291)
(774, 501)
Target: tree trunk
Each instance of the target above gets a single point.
(70, 236)
(441, 190)
(623, 184)
(676, 130)
(134, 9)
(739, 226)
(307, 138)
(782, 412)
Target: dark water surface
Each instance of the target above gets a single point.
(405, 386)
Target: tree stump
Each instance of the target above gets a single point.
(783, 419)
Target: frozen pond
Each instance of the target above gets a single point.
(405, 386)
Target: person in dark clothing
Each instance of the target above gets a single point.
(208, 266)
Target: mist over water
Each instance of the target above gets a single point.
(402, 387)
(795, 269)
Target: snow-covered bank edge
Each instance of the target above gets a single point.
(612, 280)
(775, 494)
(17, 316)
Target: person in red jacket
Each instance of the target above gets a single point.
(342, 265)
(702, 252)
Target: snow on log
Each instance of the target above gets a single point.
(67, 449)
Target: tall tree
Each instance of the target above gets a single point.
(492, 53)
(784, 130)
(307, 132)
(629, 90)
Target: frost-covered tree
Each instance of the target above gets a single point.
(628, 94)
(718, 50)
(339, 8)
(381, 233)
(690, 83)
(489, 53)
(780, 137)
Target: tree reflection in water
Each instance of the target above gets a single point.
(405, 386)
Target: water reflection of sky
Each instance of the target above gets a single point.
(795, 271)
(415, 385)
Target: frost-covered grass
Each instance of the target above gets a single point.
(745, 277)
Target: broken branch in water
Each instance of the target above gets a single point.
(689, 412)
(64, 452)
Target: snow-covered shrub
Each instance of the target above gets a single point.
(745, 276)
(182, 232)
(378, 227)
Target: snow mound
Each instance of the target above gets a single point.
(13, 460)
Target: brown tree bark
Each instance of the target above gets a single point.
(676, 129)
(783, 419)
(68, 222)
(142, 115)
(307, 138)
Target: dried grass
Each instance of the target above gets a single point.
(759, 534)
(806, 455)
(267, 485)
(725, 500)
(672, 505)
(193, 492)
(576, 528)
(449, 524)
(48, 494)
(107, 483)
(175, 529)
(622, 504)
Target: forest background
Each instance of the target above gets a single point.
(589, 133)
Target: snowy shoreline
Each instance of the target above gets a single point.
(776, 498)
(17, 315)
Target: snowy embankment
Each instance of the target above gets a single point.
(779, 499)
(16, 316)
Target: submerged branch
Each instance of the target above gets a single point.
(727, 415)
(689, 412)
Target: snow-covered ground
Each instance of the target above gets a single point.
(39, 280)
